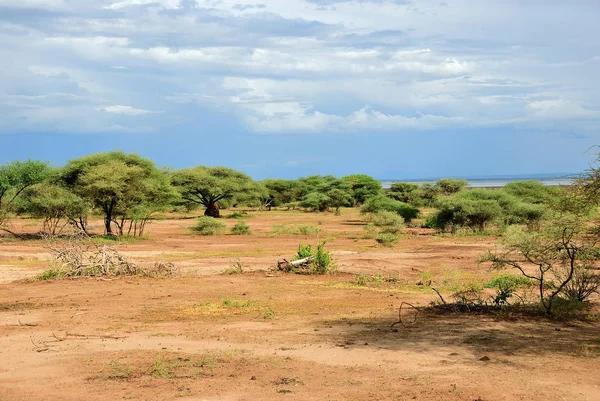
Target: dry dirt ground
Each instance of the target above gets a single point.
(265, 335)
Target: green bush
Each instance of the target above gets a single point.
(304, 251)
(323, 264)
(383, 203)
(208, 226)
(388, 222)
(241, 228)
(507, 280)
(238, 215)
(387, 239)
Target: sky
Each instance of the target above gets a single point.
(397, 89)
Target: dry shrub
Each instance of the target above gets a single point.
(79, 256)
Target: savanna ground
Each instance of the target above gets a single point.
(264, 335)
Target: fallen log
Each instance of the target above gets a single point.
(287, 266)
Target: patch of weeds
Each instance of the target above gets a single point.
(120, 371)
(507, 280)
(241, 228)
(323, 264)
(160, 368)
(235, 268)
(300, 229)
(304, 251)
(14, 306)
(387, 239)
(269, 314)
(238, 215)
(232, 303)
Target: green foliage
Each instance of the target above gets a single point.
(209, 185)
(323, 264)
(238, 215)
(533, 192)
(388, 222)
(561, 250)
(408, 212)
(339, 198)
(122, 186)
(387, 239)
(235, 268)
(359, 187)
(403, 191)
(241, 228)
(300, 229)
(16, 177)
(208, 226)
(304, 251)
(282, 192)
(508, 280)
(56, 205)
(316, 201)
(449, 186)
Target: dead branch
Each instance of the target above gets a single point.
(439, 295)
(287, 266)
(400, 321)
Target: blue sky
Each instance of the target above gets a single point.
(391, 88)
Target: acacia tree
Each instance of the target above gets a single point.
(117, 183)
(16, 177)
(56, 205)
(209, 185)
(561, 250)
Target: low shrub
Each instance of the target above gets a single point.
(241, 228)
(387, 239)
(208, 226)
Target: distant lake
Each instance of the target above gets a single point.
(492, 182)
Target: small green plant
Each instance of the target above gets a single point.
(322, 264)
(232, 303)
(388, 222)
(120, 370)
(208, 226)
(269, 314)
(300, 229)
(307, 229)
(387, 239)
(241, 228)
(235, 268)
(238, 215)
(362, 280)
(304, 251)
(160, 369)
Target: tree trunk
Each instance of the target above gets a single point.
(107, 225)
(212, 210)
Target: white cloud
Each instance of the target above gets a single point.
(296, 66)
(124, 110)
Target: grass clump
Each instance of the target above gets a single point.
(300, 229)
(241, 228)
(387, 239)
(236, 268)
(238, 215)
(208, 226)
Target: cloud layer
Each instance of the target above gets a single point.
(299, 66)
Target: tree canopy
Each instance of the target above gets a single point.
(208, 185)
(118, 184)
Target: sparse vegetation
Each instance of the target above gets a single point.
(241, 228)
(208, 226)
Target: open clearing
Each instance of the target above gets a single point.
(266, 335)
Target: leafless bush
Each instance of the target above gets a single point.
(79, 256)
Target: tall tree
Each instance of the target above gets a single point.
(117, 183)
(208, 185)
(16, 177)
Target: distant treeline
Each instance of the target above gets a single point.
(126, 189)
